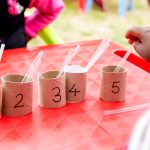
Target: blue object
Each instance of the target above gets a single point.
(130, 5)
(122, 8)
(88, 5)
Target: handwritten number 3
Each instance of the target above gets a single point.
(20, 100)
(57, 95)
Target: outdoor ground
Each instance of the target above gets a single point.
(74, 26)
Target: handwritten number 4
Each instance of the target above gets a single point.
(74, 90)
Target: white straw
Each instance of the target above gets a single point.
(1, 51)
(33, 67)
(122, 61)
(99, 51)
(68, 59)
(127, 109)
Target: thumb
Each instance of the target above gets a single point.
(138, 48)
(142, 50)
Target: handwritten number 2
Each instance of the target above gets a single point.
(20, 97)
(57, 95)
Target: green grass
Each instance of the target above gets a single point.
(73, 26)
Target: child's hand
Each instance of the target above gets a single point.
(139, 37)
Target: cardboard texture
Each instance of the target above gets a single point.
(52, 92)
(16, 95)
(76, 83)
(113, 84)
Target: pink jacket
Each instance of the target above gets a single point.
(46, 12)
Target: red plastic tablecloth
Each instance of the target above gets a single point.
(75, 126)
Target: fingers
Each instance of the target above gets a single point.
(134, 31)
(134, 34)
(139, 38)
(134, 39)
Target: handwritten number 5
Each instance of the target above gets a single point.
(115, 88)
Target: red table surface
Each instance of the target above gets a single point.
(76, 126)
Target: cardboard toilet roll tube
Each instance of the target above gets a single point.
(16, 95)
(75, 83)
(113, 84)
(52, 92)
